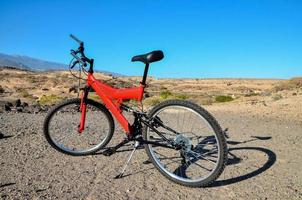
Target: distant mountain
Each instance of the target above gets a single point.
(28, 63)
(33, 64)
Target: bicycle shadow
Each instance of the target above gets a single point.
(271, 159)
(233, 159)
(2, 136)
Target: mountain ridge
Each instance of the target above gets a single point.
(25, 62)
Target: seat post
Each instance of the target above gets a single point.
(145, 74)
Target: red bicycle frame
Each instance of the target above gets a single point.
(112, 98)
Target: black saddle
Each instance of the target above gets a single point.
(149, 57)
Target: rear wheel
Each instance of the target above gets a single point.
(61, 127)
(202, 153)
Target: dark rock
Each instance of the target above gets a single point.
(3, 103)
(294, 94)
(19, 109)
(28, 109)
(24, 104)
(1, 89)
(7, 108)
(36, 110)
(45, 89)
(73, 89)
(17, 103)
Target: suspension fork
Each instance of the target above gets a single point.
(83, 105)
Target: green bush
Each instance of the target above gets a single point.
(165, 94)
(223, 98)
(181, 96)
(49, 99)
(252, 94)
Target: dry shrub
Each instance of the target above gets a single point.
(291, 84)
(202, 99)
(277, 97)
(151, 101)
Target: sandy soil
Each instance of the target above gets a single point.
(264, 162)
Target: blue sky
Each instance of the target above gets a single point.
(202, 38)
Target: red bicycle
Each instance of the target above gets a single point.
(183, 141)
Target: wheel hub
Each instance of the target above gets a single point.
(184, 142)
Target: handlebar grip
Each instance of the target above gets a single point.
(76, 39)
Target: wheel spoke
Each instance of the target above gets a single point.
(194, 162)
(197, 156)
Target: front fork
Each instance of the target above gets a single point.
(83, 105)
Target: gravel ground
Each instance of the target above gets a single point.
(264, 163)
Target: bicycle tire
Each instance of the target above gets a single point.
(219, 135)
(76, 101)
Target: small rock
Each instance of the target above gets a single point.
(24, 104)
(19, 109)
(254, 102)
(1, 89)
(266, 93)
(17, 103)
(9, 104)
(294, 94)
(3, 103)
(73, 89)
(7, 107)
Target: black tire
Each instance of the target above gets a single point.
(221, 159)
(95, 106)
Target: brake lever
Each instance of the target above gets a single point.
(74, 63)
(80, 60)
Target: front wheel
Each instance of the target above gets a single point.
(202, 155)
(62, 122)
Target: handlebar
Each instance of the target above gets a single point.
(82, 59)
(77, 40)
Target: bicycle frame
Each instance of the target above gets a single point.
(112, 98)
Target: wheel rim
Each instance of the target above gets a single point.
(63, 129)
(190, 169)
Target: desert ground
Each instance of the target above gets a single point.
(263, 117)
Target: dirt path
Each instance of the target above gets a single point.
(264, 163)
